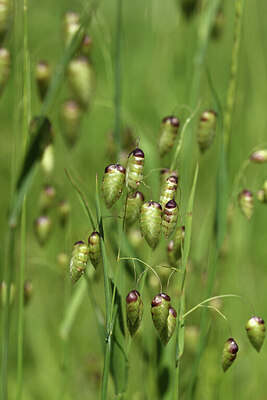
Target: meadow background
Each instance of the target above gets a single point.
(157, 78)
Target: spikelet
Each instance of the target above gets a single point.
(174, 251)
(167, 331)
(78, 260)
(165, 173)
(47, 198)
(112, 183)
(160, 310)
(170, 218)
(63, 211)
(133, 208)
(70, 121)
(80, 75)
(150, 222)
(94, 248)
(71, 25)
(62, 260)
(262, 194)
(4, 67)
(259, 156)
(86, 45)
(42, 228)
(48, 160)
(134, 170)
(5, 6)
(256, 332)
(43, 75)
(230, 349)
(206, 129)
(169, 190)
(246, 203)
(134, 311)
(168, 132)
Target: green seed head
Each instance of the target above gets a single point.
(168, 329)
(262, 194)
(28, 290)
(174, 251)
(48, 160)
(133, 208)
(112, 183)
(229, 353)
(160, 310)
(5, 6)
(256, 332)
(246, 203)
(43, 228)
(168, 133)
(168, 190)
(79, 259)
(206, 129)
(134, 311)
(81, 80)
(43, 73)
(70, 121)
(63, 211)
(134, 170)
(259, 156)
(150, 222)
(170, 218)
(86, 45)
(47, 198)
(62, 260)
(5, 62)
(71, 25)
(94, 248)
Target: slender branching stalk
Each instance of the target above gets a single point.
(117, 97)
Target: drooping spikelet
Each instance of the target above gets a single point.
(206, 129)
(262, 194)
(70, 121)
(160, 310)
(169, 190)
(78, 260)
(47, 198)
(134, 311)
(246, 203)
(174, 250)
(150, 222)
(5, 6)
(71, 25)
(133, 208)
(259, 156)
(167, 331)
(42, 228)
(256, 332)
(112, 183)
(170, 218)
(229, 353)
(80, 75)
(63, 211)
(94, 248)
(168, 132)
(134, 170)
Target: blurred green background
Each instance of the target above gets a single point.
(158, 48)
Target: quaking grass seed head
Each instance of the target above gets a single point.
(259, 156)
(134, 170)
(151, 222)
(170, 218)
(256, 332)
(112, 183)
(94, 248)
(47, 198)
(5, 7)
(43, 74)
(71, 25)
(63, 211)
(134, 311)
(229, 353)
(133, 208)
(42, 229)
(174, 250)
(167, 331)
(160, 305)
(168, 133)
(206, 129)
(169, 190)
(79, 259)
(70, 121)
(246, 203)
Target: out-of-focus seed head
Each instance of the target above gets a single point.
(229, 353)
(81, 80)
(206, 129)
(168, 329)
(133, 208)
(70, 121)
(134, 311)
(94, 248)
(71, 25)
(134, 170)
(42, 229)
(112, 183)
(150, 222)
(5, 61)
(170, 218)
(262, 194)
(259, 156)
(79, 259)
(47, 198)
(168, 190)
(256, 332)
(168, 133)
(160, 305)
(43, 73)
(86, 45)
(63, 260)
(48, 160)
(63, 211)
(5, 6)
(174, 251)
(3, 293)
(246, 203)
(28, 291)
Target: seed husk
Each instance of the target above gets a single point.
(94, 248)
(160, 310)
(229, 353)
(174, 251)
(246, 203)
(259, 156)
(112, 183)
(151, 222)
(256, 332)
(134, 170)
(134, 311)
(169, 189)
(206, 129)
(168, 133)
(133, 208)
(170, 218)
(167, 331)
(43, 228)
(79, 259)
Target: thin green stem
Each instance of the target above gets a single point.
(117, 98)
(221, 314)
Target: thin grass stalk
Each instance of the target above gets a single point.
(117, 97)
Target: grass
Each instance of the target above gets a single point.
(150, 62)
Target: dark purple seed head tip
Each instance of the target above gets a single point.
(171, 204)
(121, 168)
(246, 193)
(183, 228)
(43, 63)
(173, 179)
(170, 119)
(137, 153)
(94, 234)
(172, 312)
(156, 301)
(170, 245)
(78, 242)
(110, 168)
(139, 195)
(213, 112)
(132, 297)
(164, 170)
(155, 204)
(258, 320)
(165, 296)
(233, 347)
